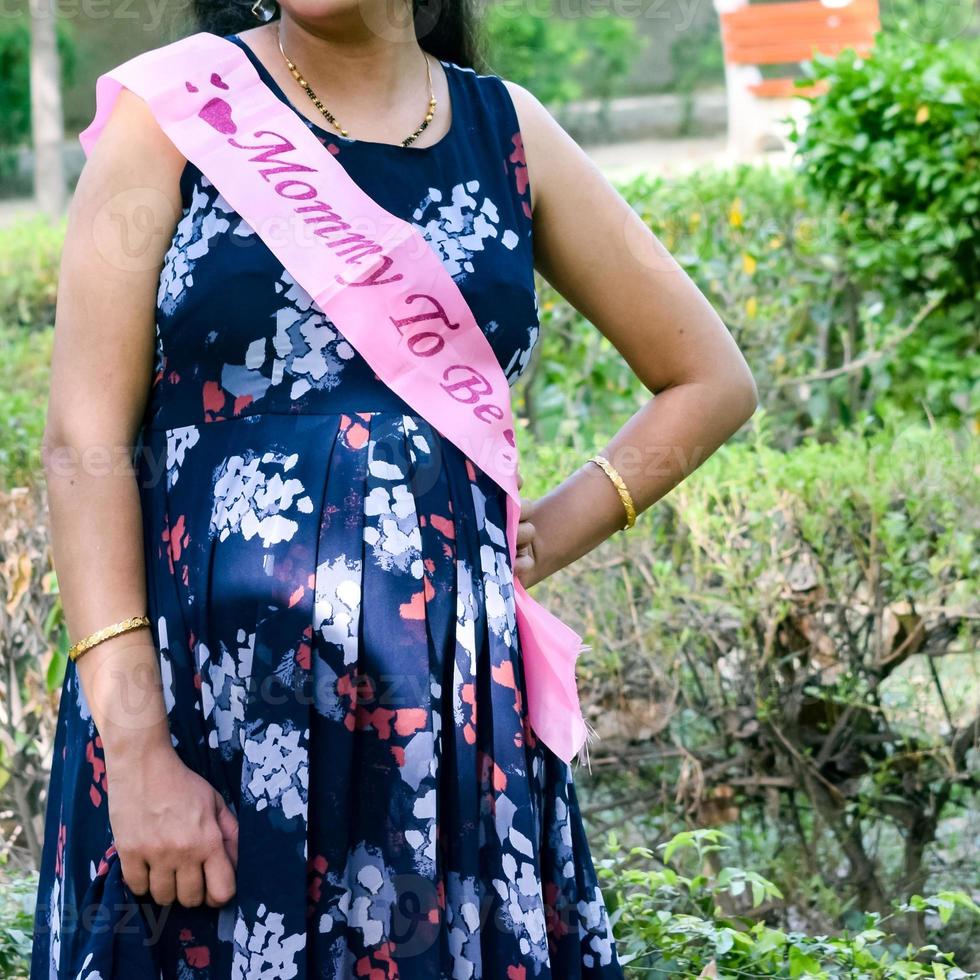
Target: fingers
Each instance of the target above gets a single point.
(228, 824)
(525, 534)
(524, 557)
(190, 885)
(135, 872)
(219, 878)
(185, 853)
(163, 885)
(524, 569)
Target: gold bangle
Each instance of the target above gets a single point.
(86, 643)
(618, 483)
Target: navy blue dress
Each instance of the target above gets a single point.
(332, 598)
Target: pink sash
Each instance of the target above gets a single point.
(374, 275)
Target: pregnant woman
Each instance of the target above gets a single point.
(313, 725)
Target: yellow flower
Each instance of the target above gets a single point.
(751, 307)
(735, 213)
(805, 231)
(749, 264)
(922, 115)
(776, 242)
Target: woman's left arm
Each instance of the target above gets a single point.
(601, 257)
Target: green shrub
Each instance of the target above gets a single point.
(828, 341)
(25, 357)
(561, 59)
(16, 923)
(30, 253)
(788, 640)
(710, 924)
(896, 143)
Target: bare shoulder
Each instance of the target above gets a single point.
(127, 201)
(133, 155)
(553, 157)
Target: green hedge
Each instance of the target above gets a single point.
(787, 642)
(896, 143)
(17, 892)
(30, 252)
(828, 341)
(561, 59)
(24, 369)
(674, 924)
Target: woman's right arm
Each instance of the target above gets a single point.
(175, 838)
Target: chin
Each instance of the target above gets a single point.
(373, 12)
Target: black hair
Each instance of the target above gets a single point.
(447, 29)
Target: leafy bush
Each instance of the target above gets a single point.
(16, 923)
(827, 341)
(896, 143)
(561, 59)
(24, 365)
(30, 253)
(788, 640)
(710, 923)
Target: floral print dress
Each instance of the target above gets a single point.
(332, 598)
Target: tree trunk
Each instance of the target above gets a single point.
(47, 124)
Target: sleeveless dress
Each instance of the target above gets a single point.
(332, 599)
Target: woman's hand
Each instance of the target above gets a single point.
(525, 565)
(175, 837)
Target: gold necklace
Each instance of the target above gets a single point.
(305, 86)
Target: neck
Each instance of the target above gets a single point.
(352, 62)
(372, 77)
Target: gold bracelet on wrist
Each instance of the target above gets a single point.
(620, 486)
(86, 643)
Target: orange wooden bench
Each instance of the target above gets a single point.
(784, 33)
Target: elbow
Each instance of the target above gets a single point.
(746, 391)
(749, 396)
(55, 447)
(79, 446)
(741, 394)
(66, 445)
